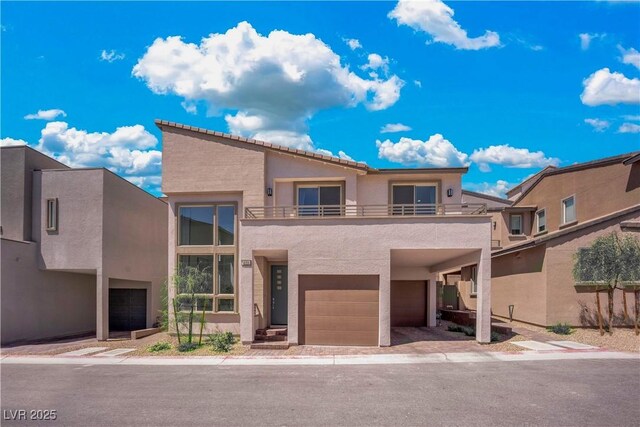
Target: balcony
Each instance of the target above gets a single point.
(367, 211)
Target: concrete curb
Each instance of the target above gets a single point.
(373, 359)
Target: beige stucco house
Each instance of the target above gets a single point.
(330, 251)
(82, 250)
(539, 229)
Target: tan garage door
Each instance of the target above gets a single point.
(338, 310)
(408, 303)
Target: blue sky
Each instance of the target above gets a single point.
(504, 87)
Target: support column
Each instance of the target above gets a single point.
(483, 307)
(431, 299)
(102, 305)
(292, 303)
(385, 304)
(247, 329)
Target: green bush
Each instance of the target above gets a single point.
(560, 329)
(495, 336)
(222, 341)
(469, 331)
(160, 346)
(187, 346)
(455, 328)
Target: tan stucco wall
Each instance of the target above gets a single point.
(42, 304)
(467, 301)
(564, 300)
(374, 189)
(343, 247)
(206, 164)
(598, 192)
(520, 279)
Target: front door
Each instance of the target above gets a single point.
(279, 295)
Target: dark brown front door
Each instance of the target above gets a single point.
(338, 310)
(408, 303)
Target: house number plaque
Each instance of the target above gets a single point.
(246, 263)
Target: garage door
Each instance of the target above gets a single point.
(408, 303)
(127, 309)
(338, 310)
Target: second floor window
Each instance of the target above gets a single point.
(515, 225)
(414, 199)
(197, 225)
(541, 221)
(568, 210)
(52, 214)
(314, 200)
(474, 279)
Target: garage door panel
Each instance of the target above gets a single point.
(338, 308)
(344, 323)
(347, 295)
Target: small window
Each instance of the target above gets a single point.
(52, 214)
(568, 210)
(474, 279)
(515, 225)
(541, 220)
(196, 225)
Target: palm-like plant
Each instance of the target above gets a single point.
(189, 283)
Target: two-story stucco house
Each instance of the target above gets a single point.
(331, 251)
(546, 220)
(83, 250)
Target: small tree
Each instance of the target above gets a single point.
(189, 284)
(610, 263)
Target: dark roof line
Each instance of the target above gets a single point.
(487, 196)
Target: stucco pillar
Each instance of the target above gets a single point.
(247, 329)
(102, 305)
(385, 304)
(431, 299)
(483, 308)
(292, 303)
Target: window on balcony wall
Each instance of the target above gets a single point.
(198, 224)
(568, 210)
(474, 279)
(515, 224)
(414, 199)
(541, 221)
(52, 214)
(319, 200)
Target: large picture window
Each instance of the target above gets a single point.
(198, 223)
(414, 199)
(323, 200)
(217, 284)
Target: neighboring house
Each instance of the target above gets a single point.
(554, 214)
(335, 250)
(83, 250)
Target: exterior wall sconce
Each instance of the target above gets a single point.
(269, 192)
(450, 192)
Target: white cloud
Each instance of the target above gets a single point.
(128, 151)
(510, 157)
(394, 127)
(630, 56)
(275, 83)
(605, 87)
(587, 38)
(631, 117)
(629, 128)
(598, 125)
(418, 83)
(10, 142)
(46, 114)
(353, 43)
(376, 62)
(111, 56)
(497, 189)
(189, 107)
(436, 18)
(436, 152)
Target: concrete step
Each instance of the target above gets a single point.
(269, 345)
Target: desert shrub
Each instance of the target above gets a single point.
(561, 329)
(495, 336)
(159, 346)
(469, 331)
(455, 328)
(222, 341)
(187, 346)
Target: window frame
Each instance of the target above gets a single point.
(52, 214)
(511, 216)
(543, 210)
(216, 217)
(215, 296)
(320, 212)
(435, 184)
(563, 210)
(473, 273)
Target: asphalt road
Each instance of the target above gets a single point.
(559, 393)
